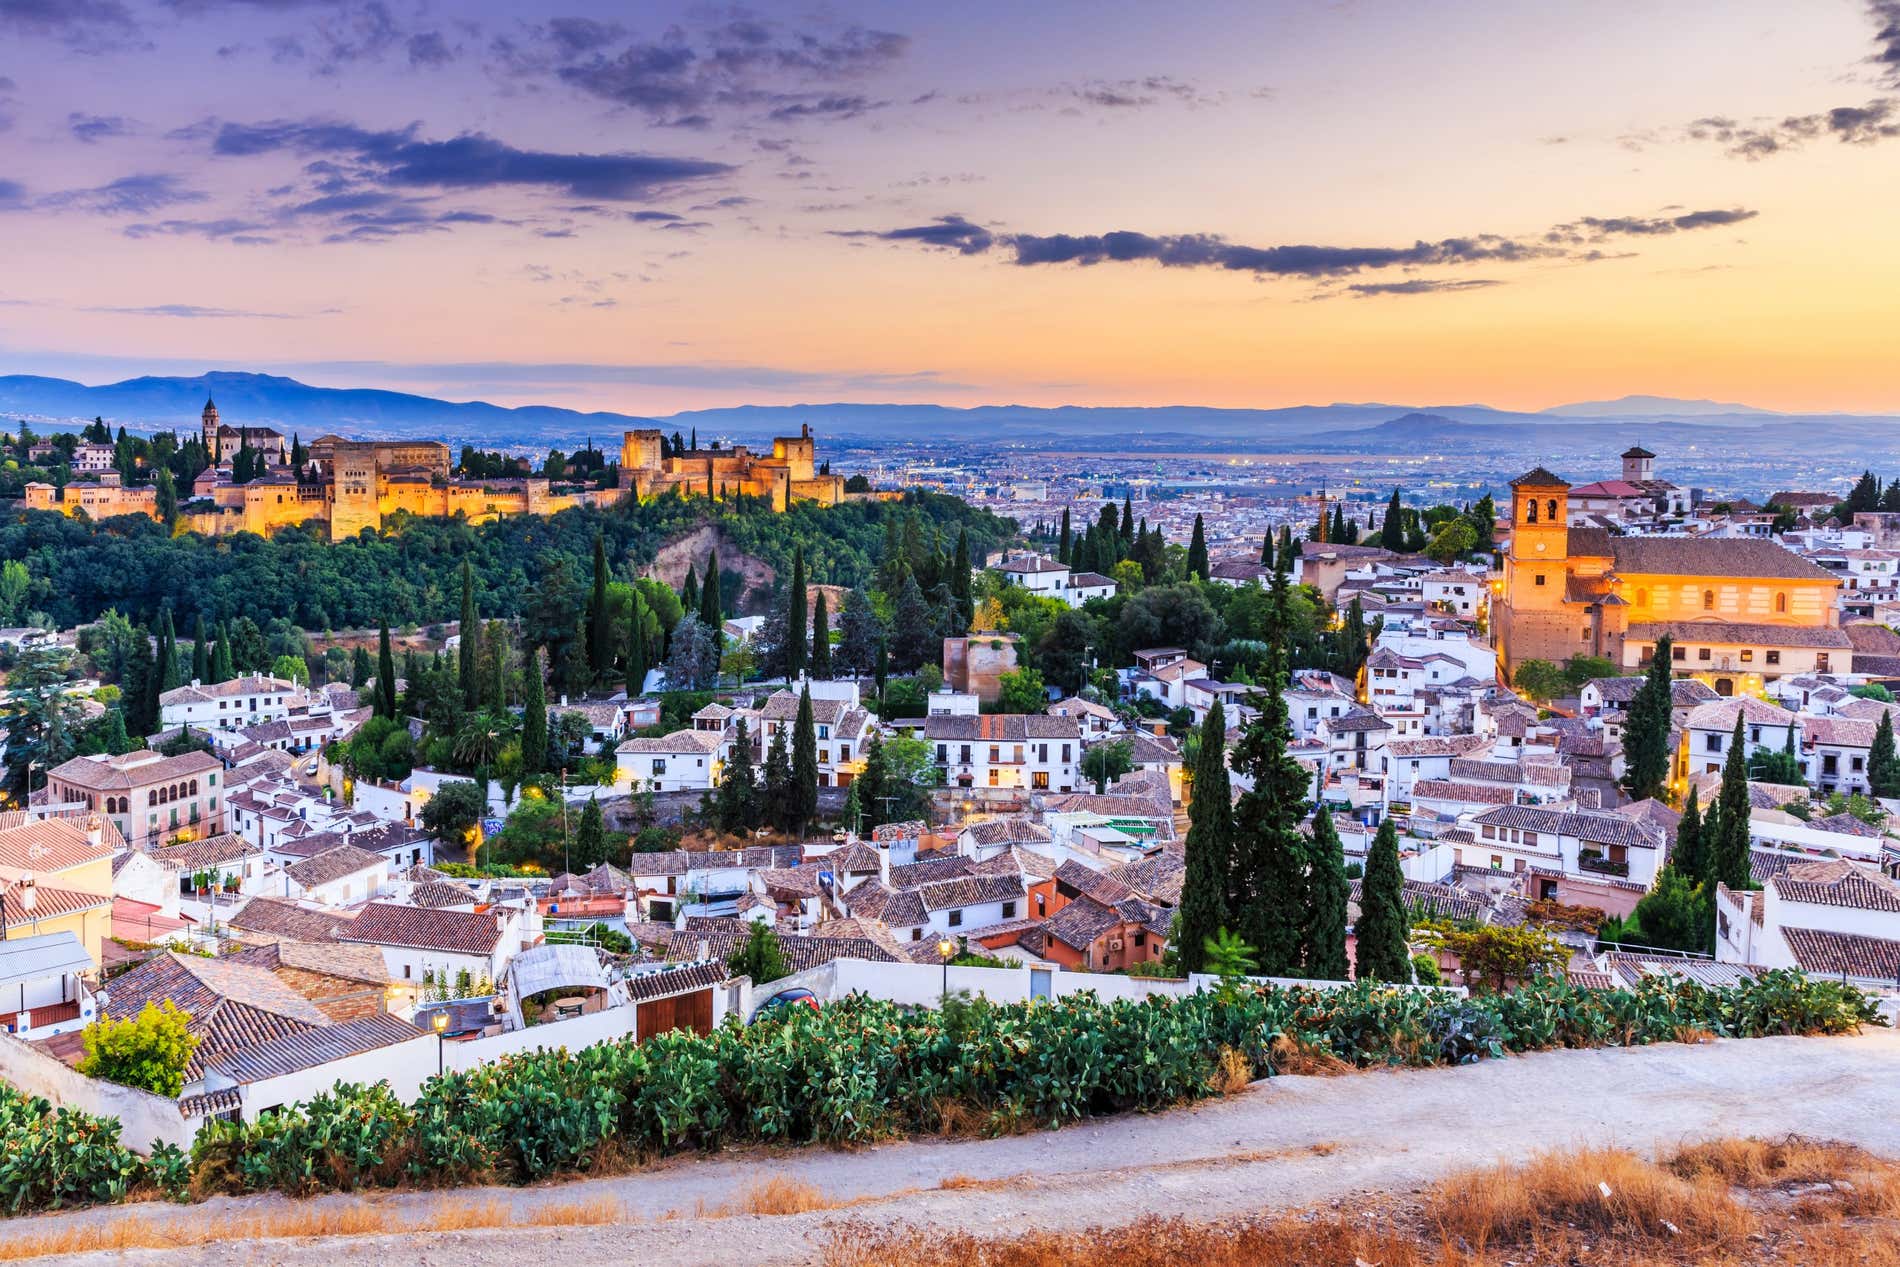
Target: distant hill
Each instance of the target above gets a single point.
(145, 404)
(1650, 407)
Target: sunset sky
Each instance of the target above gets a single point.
(655, 207)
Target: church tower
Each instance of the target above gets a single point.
(211, 429)
(1639, 466)
(1534, 568)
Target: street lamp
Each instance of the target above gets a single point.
(439, 1021)
(946, 951)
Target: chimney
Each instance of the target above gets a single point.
(95, 830)
(196, 682)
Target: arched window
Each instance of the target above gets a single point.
(194, 788)
(1708, 600)
(1551, 507)
(151, 798)
(1781, 603)
(1530, 511)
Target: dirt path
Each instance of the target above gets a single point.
(1286, 1142)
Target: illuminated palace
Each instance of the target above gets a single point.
(1738, 611)
(354, 484)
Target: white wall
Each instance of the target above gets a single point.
(144, 1119)
(405, 1066)
(585, 1030)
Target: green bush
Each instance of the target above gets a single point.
(148, 1051)
(862, 1070)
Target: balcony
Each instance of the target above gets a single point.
(1593, 860)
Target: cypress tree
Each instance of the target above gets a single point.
(200, 652)
(1728, 850)
(1691, 855)
(1883, 763)
(1063, 545)
(495, 644)
(136, 684)
(1326, 918)
(804, 766)
(1210, 845)
(1646, 731)
(1197, 552)
(1126, 530)
(779, 801)
(1268, 896)
(689, 591)
(1381, 934)
(468, 655)
(637, 647)
(362, 672)
(168, 649)
(960, 582)
(1392, 536)
(820, 640)
(797, 646)
(590, 837)
(738, 804)
(385, 674)
(534, 715)
(712, 611)
(872, 786)
(600, 637)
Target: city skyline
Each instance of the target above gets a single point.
(692, 207)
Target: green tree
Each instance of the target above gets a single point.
(1210, 844)
(149, 1051)
(804, 809)
(1728, 850)
(1228, 956)
(780, 799)
(200, 652)
(821, 640)
(712, 607)
(1326, 919)
(636, 642)
(1883, 763)
(1782, 767)
(590, 847)
(291, 668)
(1197, 551)
(469, 652)
(1540, 680)
(1392, 532)
(600, 635)
(165, 489)
(1107, 760)
(385, 673)
(759, 956)
(1675, 914)
(1454, 539)
(534, 715)
(1646, 729)
(1021, 691)
(1691, 855)
(452, 814)
(1381, 935)
(738, 803)
(797, 645)
(1270, 899)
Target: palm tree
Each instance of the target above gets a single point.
(481, 738)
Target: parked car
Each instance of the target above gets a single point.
(784, 999)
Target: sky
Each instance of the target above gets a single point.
(658, 206)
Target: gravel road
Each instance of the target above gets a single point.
(1285, 1142)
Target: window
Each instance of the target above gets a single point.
(1065, 752)
(1642, 598)
(1712, 743)
(405, 972)
(1551, 509)
(659, 766)
(1583, 635)
(1857, 764)
(1679, 652)
(943, 754)
(1820, 662)
(1530, 511)
(1708, 600)
(1748, 655)
(1702, 653)
(956, 919)
(1772, 657)
(1540, 578)
(1781, 603)
(1009, 910)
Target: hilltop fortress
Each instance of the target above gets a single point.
(355, 484)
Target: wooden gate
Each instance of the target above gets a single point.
(680, 1011)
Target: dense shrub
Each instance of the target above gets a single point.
(51, 1158)
(862, 1070)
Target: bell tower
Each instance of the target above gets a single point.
(210, 420)
(1535, 567)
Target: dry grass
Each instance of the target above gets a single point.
(1290, 1056)
(362, 1218)
(1733, 1203)
(779, 1195)
(1599, 1191)
(1233, 1074)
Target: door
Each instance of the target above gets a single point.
(1039, 983)
(681, 1011)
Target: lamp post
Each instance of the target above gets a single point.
(439, 1021)
(946, 951)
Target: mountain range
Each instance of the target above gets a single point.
(157, 403)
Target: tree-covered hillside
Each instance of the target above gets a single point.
(410, 572)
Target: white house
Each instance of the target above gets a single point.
(1835, 752)
(1831, 918)
(418, 943)
(1710, 726)
(1588, 844)
(684, 761)
(240, 702)
(43, 988)
(1006, 750)
(340, 876)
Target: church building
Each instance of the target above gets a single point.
(1740, 612)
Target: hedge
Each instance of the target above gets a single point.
(861, 1070)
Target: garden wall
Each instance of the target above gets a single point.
(144, 1119)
